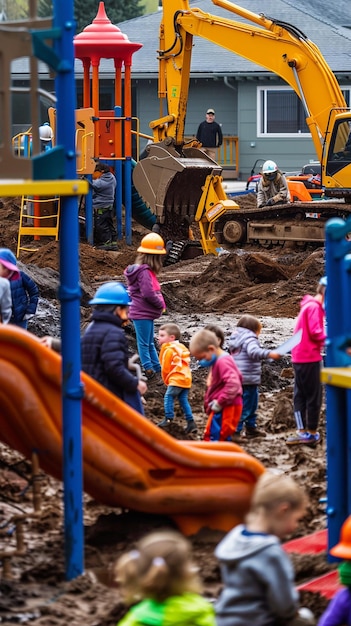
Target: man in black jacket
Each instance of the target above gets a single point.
(209, 134)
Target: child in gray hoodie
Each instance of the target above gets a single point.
(257, 574)
(247, 353)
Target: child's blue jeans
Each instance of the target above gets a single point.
(146, 345)
(250, 404)
(182, 394)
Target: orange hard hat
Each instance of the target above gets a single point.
(343, 548)
(152, 244)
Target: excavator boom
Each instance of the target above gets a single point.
(277, 46)
(178, 182)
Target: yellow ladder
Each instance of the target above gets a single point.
(39, 217)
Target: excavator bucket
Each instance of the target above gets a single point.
(171, 183)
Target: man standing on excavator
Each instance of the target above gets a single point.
(272, 187)
(209, 134)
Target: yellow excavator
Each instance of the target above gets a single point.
(182, 185)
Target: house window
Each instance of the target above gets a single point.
(347, 95)
(280, 113)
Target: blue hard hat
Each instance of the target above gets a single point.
(112, 293)
(324, 281)
(8, 259)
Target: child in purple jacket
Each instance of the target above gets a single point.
(338, 612)
(147, 300)
(248, 354)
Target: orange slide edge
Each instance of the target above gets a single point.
(127, 461)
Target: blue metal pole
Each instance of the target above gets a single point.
(89, 217)
(119, 179)
(69, 294)
(128, 198)
(337, 399)
(347, 333)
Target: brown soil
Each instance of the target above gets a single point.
(265, 283)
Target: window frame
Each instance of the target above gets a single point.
(262, 115)
(347, 99)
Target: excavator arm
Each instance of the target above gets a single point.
(275, 45)
(180, 181)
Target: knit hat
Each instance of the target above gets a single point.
(8, 259)
(345, 573)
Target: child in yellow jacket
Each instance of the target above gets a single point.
(176, 374)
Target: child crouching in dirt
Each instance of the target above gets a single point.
(223, 396)
(176, 374)
(161, 576)
(246, 351)
(257, 574)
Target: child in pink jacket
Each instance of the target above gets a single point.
(223, 397)
(306, 359)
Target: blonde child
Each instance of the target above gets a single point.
(257, 574)
(247, 353)
(223, 396)
(176, 374)
(161, 576)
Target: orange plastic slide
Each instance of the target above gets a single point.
(127, 461)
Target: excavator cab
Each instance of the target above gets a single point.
(338, 164)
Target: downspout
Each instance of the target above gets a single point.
(227, 83)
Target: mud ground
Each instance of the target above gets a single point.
(265, 283)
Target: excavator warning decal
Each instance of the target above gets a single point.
(217, 208)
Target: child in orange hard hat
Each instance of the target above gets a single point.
(147, 301)
(338, 612)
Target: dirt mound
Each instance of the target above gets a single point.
(244, 282)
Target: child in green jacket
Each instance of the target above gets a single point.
(161, 575)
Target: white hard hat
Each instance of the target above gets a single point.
(46, 132)
(269, 167)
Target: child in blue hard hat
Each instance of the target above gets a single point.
(24, 291)
(105, 355)
(105, 345)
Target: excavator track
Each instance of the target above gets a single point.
(297, 221)
(183, 250)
